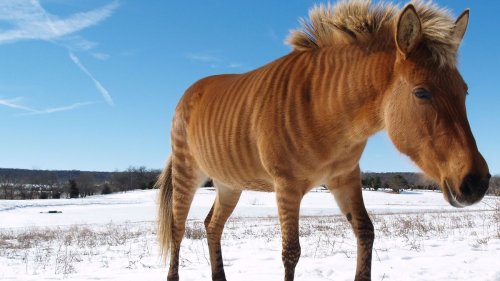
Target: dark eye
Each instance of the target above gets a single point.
(422, 93)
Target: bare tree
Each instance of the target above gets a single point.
(494, 188)
(86, 184)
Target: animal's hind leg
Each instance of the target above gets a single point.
(186, 179)
(347, 192)
(225, 202)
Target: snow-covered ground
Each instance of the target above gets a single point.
(112, 237)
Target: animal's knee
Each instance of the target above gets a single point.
(366, 232)
(178, 231)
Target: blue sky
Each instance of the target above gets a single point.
(92, 84)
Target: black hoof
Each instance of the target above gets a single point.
(173, 278)
(219, 276)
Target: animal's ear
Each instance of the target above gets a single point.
(408, 30)
(461, 25)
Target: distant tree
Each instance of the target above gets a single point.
(8, 186)
(119, 181)
(151, 178)
(141, 178)
(106, 189)
(73, 189)
(365, 181)
(371, 182)
(134, 178)
(426, 183)
(52, 183)
(23, 193)
(44, 195)
(56, 195)
(397, 182)
(377, 183)
(494, 188)
(86, 184)
(32, 191)
(5, 190)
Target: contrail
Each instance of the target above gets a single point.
(58, 109)
(105, 94)
(14, 103)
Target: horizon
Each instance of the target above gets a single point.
(159, 169)
(92, 85)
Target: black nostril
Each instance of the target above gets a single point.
(465, 188)
(470, 184)
(472, 178)
(474, 186)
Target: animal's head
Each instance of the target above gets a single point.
(424, 111)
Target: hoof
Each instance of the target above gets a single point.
(219, 276)
(173, 278)
(363, 278)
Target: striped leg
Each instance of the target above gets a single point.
(225, 202)
(288, 200)
(347, 192)
(185, 181)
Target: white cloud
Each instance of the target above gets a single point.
(100, 56)
(203, 57)
(211, 60)
(30, 21)
(77, 43)
(234, 65)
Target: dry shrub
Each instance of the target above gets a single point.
(195, 231)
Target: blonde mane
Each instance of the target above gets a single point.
(360, 22)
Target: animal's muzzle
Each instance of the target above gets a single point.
(473, 188)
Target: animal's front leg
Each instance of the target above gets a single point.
(347, 192)
(288, 197)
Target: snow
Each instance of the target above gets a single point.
(139, 206)
(418, 237)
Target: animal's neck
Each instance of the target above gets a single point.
(352, 88)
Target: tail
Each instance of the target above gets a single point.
(165, 215)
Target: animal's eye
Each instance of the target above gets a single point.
(422, 93)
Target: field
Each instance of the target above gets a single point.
(112, 237)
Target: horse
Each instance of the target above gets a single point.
(303, 120)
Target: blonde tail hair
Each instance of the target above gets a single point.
(165, 215)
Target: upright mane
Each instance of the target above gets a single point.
(360, 22)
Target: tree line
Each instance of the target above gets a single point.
(396, 182)
(411, 181)
(36, 184)
(39, 184)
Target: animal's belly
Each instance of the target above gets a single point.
(233, 163)
(241, 176)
